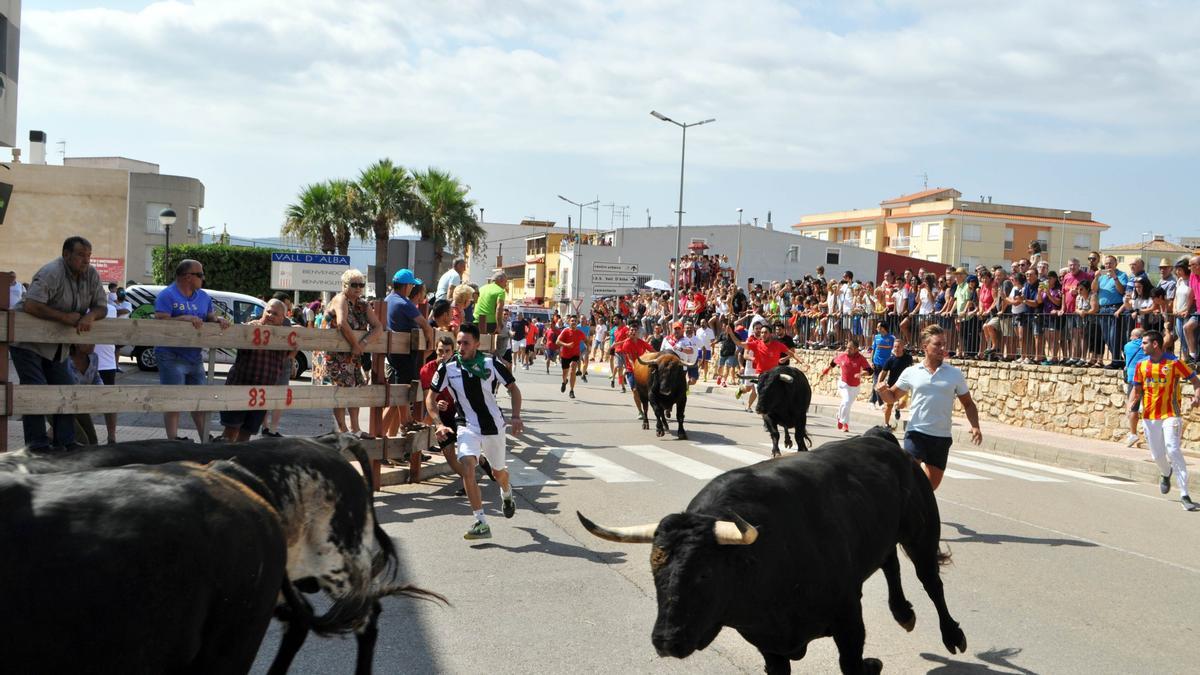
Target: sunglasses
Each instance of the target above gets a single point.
(356, 284)
(198, 275)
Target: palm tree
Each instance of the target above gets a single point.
(310, 219)
(346, 223)
(445, 216)
(383, 195)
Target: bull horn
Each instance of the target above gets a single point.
(735, 533)
(635, 534)
(786, 378)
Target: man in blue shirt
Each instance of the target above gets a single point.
(404, 317)
(881, 351)
(1110, 294)
(184, 300)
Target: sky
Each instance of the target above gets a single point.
(819, 106)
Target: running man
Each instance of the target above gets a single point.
(851, 364)
(896, 364)
(932, 386)
(570, 341)
(479, 423)
(764, 351)
(684, 347)
(1156, 386)
(616, 360)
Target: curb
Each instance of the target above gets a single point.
(400, 475)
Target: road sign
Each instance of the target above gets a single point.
(308, 271)
(629, 280)
(613, 268)
(606, 290)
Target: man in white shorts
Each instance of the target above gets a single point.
(469, 377)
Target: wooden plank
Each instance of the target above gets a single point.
(151, 332)
(398, 449)
(486, 342)
(34, 399)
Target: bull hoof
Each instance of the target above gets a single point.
(953, 638)
(682, 436)
(872, 666)
(910, 623)
(788, 444)
(775, 454)
(659, 433)
(645, 426)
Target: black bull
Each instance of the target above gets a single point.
(147, 569)
(327, 508)
(660, 380)
(824, 521)
(783, 398)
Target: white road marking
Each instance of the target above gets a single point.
(733, 452)
(598, 466)
(1043, 467)
(521, 474)
(684, 465)
(1012, 473)
(963, 475)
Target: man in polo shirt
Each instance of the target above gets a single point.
(469, 377)
(184, 300)
(932, 385)
(451, 278)
(404, 317)
(1110, 295)
(489, 308)
(66, 290)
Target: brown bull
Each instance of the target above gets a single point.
(660, 381)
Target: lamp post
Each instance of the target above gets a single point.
(166, 218)
(679, 225)
(591, 203)
(1062, 240)
(737, 267)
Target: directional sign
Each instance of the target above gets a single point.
(613, 268)
(605, 289)
(308, 271)
(615, 279)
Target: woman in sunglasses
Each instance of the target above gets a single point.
(348, 312)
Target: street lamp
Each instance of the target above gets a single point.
(166, 218)
(737, 267)
(1062, 241)
(679, 225)
(591, 203)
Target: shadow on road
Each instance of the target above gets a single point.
(996, 657)
(974, 537)
(543, 544)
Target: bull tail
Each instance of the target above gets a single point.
(388, 561)
(414, 592)
(944, 557)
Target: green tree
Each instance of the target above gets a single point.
(444, 216)
(383, 195)
(311, 218)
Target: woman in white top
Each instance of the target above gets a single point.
(1180, 310)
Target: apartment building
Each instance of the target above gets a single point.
(939, 225)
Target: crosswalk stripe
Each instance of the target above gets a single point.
(684, 465)
(963, 475)
(597, 466)
(732, 452)
(1043, 467)
(521, 474)
(1003, 471)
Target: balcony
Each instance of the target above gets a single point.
(850, 242)
(900, 242)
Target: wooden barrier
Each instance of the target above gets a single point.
(67, 399)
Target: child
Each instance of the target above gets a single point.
(881, 351)
(852, 364)
(897, 363)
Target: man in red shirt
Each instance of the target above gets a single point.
(852, 364)
(569, 341)
(766, 350)
(551, 344)
(618, 364)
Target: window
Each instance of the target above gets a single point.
(149, 260)
(152, 211)
(1083, 241)
(823, 235)
(935, 231)
(1008, 239)
(793, 254)
(934, 258)
(833, 256)
(869, 237)
(916, 229)
(970, 262)
(972, 233)
(193, 225)
(244, 312)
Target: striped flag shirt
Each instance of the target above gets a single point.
(474, 400)
(1161, 385)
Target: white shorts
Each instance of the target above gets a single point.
(518, 344)
(474, 444)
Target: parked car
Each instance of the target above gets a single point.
(236, 307)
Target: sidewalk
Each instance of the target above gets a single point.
(1047, 447)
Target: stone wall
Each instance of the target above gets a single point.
(1082, 402)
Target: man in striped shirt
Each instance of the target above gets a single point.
(469, 377)
(1156, 383)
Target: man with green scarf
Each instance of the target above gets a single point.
(469, 377)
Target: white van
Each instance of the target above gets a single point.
(236, 307)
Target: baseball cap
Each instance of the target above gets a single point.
(405, 276)
(677, 324)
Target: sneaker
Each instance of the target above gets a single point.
(510, 506)
(612, 383)
(572, 394)
(622, 389)
(839, 425)
(267, 433)
(478, 531)
(1131, 440)
(738, 394)
(1164, 483)
(846, 428)
(1188, 504)
(583, 376)
(562, 388)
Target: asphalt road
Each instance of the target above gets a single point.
(1053, 572)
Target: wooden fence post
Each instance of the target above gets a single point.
(6, 282)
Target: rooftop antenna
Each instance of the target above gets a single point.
(612, 213)
(624, 214)
(62, 150)
(924, 176)
(595, 207)
(648, 218)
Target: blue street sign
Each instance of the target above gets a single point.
(312, 258)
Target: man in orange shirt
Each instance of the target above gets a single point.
(1156, 383)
